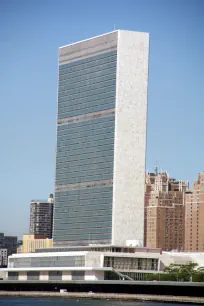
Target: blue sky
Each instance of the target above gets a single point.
(30, 34)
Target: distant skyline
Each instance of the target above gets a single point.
(31, 33)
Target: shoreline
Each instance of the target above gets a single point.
(104, 296)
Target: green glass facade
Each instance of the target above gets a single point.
(85, 150)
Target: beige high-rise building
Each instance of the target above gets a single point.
(164, 212)
(194, 216)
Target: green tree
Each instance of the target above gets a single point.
(183, 273)
(198, 275)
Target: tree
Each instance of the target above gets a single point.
(183, 273)
(198, 275)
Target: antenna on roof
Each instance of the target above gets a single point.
(156, 168)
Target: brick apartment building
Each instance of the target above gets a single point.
(164, 212)
(194, 216)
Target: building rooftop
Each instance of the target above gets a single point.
(101, 248)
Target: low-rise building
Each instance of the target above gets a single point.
(95, 262)
(33, 242)
(84, 263)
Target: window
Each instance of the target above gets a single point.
(78, 275)
(55, 275)
(12, 275)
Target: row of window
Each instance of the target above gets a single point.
(94, 139)
(52, 275)
(85, 164)
(105, 67)
(86, 88)
(85, 206)
(83, 225)
(86, 94)
(88, 134)
(71, 156)
(84, 155)
(86, 67)
(75, 148)
(82, 237)
(88, 59)
(81, 173)
(86, 150)
(89, 63)
(87, 76)
(86, 178)
(64, 221)
(74, 178)
(85, 106)
(81, 207)
(96, 107)
(131, 263)
(95, 229)
(54, 261)
(86, 130)
(97, 164)
(90, 83)
(86, 100)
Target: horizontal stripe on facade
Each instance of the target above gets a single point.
(95, 115)
(94, 184)
(85, 53)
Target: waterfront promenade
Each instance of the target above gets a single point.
(105, 296)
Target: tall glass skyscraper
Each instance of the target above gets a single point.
(101, 140)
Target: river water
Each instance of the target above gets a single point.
(71, 302)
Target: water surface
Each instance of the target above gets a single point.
(7, 301)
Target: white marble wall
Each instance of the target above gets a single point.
(66, 275)
(44, 275)
(22, 276)
(130, 138)
(94, 275)
(93, 259)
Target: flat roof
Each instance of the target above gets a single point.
(57, 269)
(101, 35)
(80, 41)
(105, 246)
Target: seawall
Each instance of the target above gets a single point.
(104, 296)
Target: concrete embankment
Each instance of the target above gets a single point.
(104, 296)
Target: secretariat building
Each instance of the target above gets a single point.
(101, 141)
(98, 229)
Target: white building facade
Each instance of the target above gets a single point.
(94, 263)
(91, 263)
